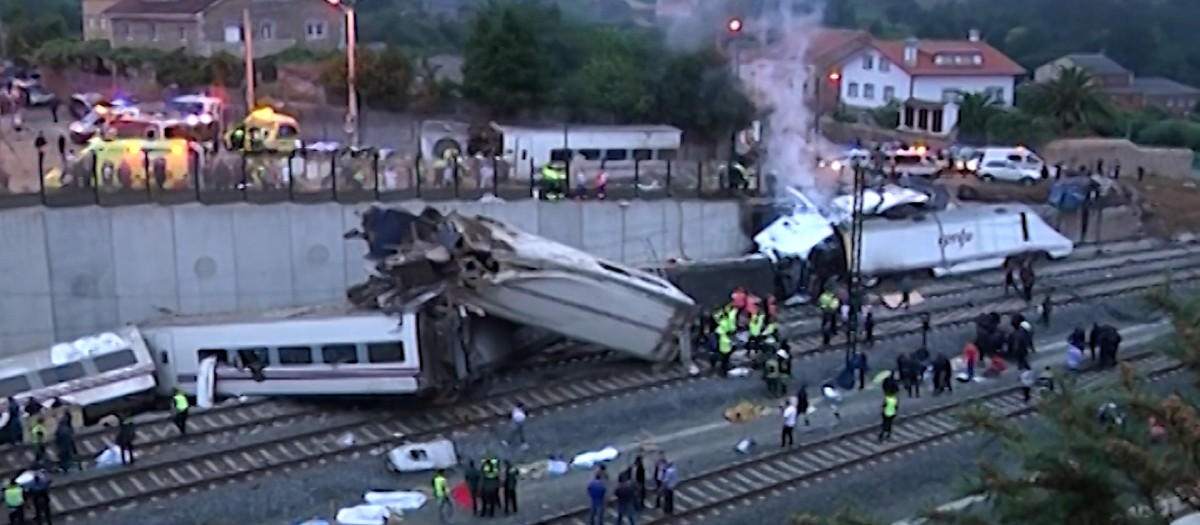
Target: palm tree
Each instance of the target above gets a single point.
(1073, 100)
(974, 112)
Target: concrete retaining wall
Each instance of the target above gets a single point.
(65, 273)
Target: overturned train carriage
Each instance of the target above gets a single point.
(490, 269)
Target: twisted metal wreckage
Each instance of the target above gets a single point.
(507, 293)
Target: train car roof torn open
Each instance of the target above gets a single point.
(491, 268)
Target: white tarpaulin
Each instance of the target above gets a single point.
(380, 505)
(590, 459)
(108, 342)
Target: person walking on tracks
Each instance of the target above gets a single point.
(126, 435)
(64, 442)
(179, 409)
(1027, 280)
(891, 405)
(510, 488)
(14, 500)
(441, 495)
(1010, 279)
(790, 414)
(39, 495)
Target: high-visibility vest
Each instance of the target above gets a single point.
(756, 324)
(890, 405)
(181, 402)
(729, 322)
(491, 468)
(14, 496)
(770, 331)
(827, 302)
(724, 343)
(440, 491)
(37, 433)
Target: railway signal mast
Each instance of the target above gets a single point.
(856, 283)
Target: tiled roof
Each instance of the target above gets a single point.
(1096, 64)
(159, 7)
(1155, 86)
(992, 63)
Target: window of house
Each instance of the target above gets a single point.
(884, 65)
(995, 93)
(908, 116)
(385, 352)
(852, 90)
(889, 93)
(266, 30)
(233, 33)
(124, 30)
(869, 91)
(315, 30)
(93, 23)
(153, 30)
(949, 95)
(938, 117)
(183, 33)
(103, 23)
(868, 61)
(923, 119)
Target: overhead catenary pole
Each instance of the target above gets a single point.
(248, 58)
(351, 74)
(855, 285)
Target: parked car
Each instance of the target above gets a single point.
(1008, 171)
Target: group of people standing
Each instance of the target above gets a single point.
(632, 490)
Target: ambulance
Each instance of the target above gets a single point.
(122, 163)
(265, 130)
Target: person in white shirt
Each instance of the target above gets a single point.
(790, 413)
(518, 426)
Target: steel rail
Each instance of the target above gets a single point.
(775, 472)
(91, 494)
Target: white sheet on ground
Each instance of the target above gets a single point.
(109, 457)
(363, 515)
(590, 459)
(396, 499)
(556, 467)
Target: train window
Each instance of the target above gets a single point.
(295, 355)
(666, 154)
(286, 131)
(385, 352)
(250, 357)
(61, 374)
(589, 154)
(560, 155)
(616, 154)
(115, 361)
(11, 386)
(642, 154)
(221, 354)
(339, 354)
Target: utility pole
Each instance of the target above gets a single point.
(856, 236)
(248, 58)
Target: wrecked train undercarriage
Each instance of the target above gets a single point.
(484, 268)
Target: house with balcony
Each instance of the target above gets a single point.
(1127, 90)
(925, 77)
(205, 27)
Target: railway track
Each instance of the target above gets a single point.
(777, 472)
(262, 415)
(95, 492)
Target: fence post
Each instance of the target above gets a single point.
(41, 167)
(333, 174)
(94, 179)
(196, 165)
(375, 171)
(670, 191)
(637, 178)
(146, 175)
(532, 182)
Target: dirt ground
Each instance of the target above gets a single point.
(18, 156)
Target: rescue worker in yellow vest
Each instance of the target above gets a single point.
(772, 376)
(441, 495)
(179, 409)
(37, 438)
(14, 499)
(891, 405)
(490, 486)
(726, 327)
(758, 322)
(829, 305)
(554, 182)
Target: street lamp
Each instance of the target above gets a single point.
(735, 32)
(347, 6)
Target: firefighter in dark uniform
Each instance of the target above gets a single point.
(39, 494)
(510, 487)
(490, 485)
(771, 374)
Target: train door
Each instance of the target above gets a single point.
(166, 371)
(521, 156)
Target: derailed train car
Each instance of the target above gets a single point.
(495, 270)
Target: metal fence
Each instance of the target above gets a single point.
(352, 176)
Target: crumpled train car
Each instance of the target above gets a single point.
(497, 270)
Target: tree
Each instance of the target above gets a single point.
(504, 63)
(614, 85)
(1073, 99)
(697, 92)
(384, 77)
(974, 112)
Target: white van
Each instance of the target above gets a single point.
(914, 162)
(1020, 158)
